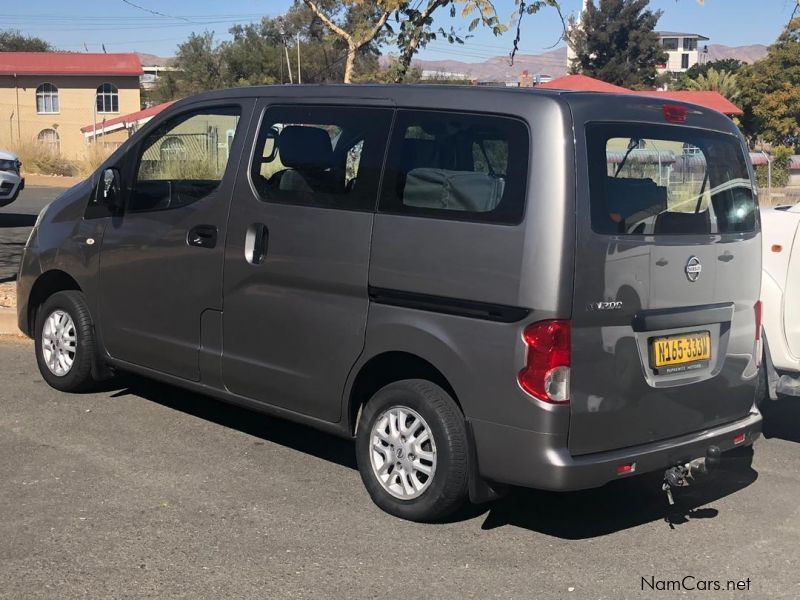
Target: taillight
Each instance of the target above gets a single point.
(757, 310)
(546, 372)
(674, 113)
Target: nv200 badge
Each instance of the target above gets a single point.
(594, 306)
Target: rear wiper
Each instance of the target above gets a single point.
(632, 145)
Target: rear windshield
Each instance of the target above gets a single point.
(661, 180)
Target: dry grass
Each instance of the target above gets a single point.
(38, 158)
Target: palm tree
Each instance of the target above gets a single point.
(722, 81)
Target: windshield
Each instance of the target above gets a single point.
(657, 180)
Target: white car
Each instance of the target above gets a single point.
(780, 297)
(11, 181)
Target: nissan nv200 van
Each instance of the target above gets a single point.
(484, 287)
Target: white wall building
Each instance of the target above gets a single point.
(684, 50)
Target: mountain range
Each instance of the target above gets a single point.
(554, 63)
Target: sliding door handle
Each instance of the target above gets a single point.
(202, 236)
(256, 243)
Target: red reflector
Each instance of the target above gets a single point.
(757, 309)
(628, 468)
(674, 113)
(546, 372)
(777, 247)
(739, 438)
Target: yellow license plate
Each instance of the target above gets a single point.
(681, 349)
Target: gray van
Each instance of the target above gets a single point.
(484, 287)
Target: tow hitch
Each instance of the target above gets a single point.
(683, 475)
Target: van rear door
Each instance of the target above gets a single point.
(668, 268)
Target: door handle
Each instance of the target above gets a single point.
(662, 262)
(256, 243)
(202, 236)
(725, 257)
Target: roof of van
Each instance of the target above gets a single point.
(466, 97)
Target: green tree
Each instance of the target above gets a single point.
(731, 65)
(716, 81)
(616, 42)
(770, 91)
(199, 68)
(14, 41)
(358, 32)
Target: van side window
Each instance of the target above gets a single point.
(322, 156)
(184, 160)
(457, 166)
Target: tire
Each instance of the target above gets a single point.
(445, 454)
(65, 312)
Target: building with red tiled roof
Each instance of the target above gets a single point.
(712, 100)
(46, 97)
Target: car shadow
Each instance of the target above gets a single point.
(569, 515)
(270, 429)
(782, 419)
(16, 220)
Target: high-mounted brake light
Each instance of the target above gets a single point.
(757, 309)
(547, 365)
(674, 113)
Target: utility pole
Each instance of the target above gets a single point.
(288, 64)
(282, 31)
(299, 79)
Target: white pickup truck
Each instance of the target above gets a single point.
(780, 297)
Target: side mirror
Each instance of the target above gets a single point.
(109, 192)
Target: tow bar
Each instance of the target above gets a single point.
(682, 475)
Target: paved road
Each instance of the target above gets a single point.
(16, 221)
(145, 490)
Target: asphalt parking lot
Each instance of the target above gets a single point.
(145, 490)
(16, 221)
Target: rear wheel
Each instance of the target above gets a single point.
(65, 343)
(412, 452)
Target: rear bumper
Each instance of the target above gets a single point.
(538, 460)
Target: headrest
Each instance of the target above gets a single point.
(305, 148)
(419, 153)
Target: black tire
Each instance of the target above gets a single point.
(447, 489)
(79, 377)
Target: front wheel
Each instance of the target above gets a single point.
(412, 451)
(65, 346)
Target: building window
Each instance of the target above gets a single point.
(47, 99)
(107, 98)
(670, 43)
(690, 43)
(50, 140)
(684, 61)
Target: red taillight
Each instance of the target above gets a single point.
(674, 113)
(546, 372)
(757, 309)
(626, 468)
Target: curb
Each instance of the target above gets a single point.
(8, 322)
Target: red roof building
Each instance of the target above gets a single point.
(69, 63)
(582, 83)
(130, 122)
(46, 97)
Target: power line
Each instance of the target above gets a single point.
(155, 12)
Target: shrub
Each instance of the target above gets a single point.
(781, 155)
(39, 158)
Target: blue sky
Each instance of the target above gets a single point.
(122, 28)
